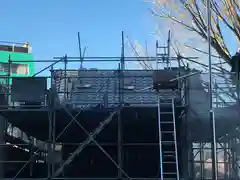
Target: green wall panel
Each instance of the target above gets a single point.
(17, 56)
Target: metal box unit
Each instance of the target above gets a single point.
(165, 79)
(29, 89)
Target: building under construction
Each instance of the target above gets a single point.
(118, 123)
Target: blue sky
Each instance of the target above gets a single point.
(51, 26)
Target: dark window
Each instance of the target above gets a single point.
(13, 49)
(4, 67)
(15, 68)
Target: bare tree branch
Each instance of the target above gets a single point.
(225, 15)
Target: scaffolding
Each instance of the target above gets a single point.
(84, 111)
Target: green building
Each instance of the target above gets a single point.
(14, 56)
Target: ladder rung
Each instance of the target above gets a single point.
(169, 155)
(166, 122)
(168, 142)
(162, 54)
(169, 152)
(167, 132)
(165, 103)
(169, 173)
(173, 162)
(166, 112)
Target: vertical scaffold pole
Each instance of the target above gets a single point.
(211, 113)
(120, 163)
(160, 136)
(157, 55)
(121, 101)
(49, 144)
(9, 79)
(168, 49)
(80, 50)
(49, 158)
(65, 78)
(123, 53)
(238, 82)
(2, 142)
(53, 122)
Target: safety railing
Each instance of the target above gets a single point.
(224, 88)
(136, 90)
(67, 85)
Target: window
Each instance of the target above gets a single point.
(15, 68)
(13, 48)
(4, 67)
(19, 69)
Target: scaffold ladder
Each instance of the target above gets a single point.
(163, 54)
(169, 168)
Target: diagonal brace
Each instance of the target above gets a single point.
(95, 142)
(85, 143)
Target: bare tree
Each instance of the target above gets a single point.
(191, 17)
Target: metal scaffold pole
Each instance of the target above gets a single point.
(65, 77)
(80, 50)
(2, 142)
(211, 113)
(160, 137)
(121, 102)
